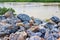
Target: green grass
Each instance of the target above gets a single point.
(29, 0)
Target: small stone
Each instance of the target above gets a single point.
(55, 19)
(58, 39)
(35, 38)
(34, 28)
(32, 18)
(37, 21)
(59, 24)
(8, 14)
(20, 37)
(23, 17)
(23, 33)
(19, 24)
(6, 38)
(31, 21)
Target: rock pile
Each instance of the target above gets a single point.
(24, 27)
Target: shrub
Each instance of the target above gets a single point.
(4, 10)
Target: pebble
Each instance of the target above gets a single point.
(24, 27)
(55, 19)
(23, 17)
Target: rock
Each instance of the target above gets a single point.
(59, 24)
(8, 14)
(19, 24)
(37, 21)
(13, 36)
(24, 27)
(23, 17)
(21, 29)
(35, 38)
(55, 19)
(5, 29)
(49, 25)
(33, 28)
(58, 39)
(6, 38)
(20, 37)
(31, 22)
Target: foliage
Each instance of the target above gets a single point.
(29, 0)
(3, 10)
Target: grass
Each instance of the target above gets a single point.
(29, 0)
